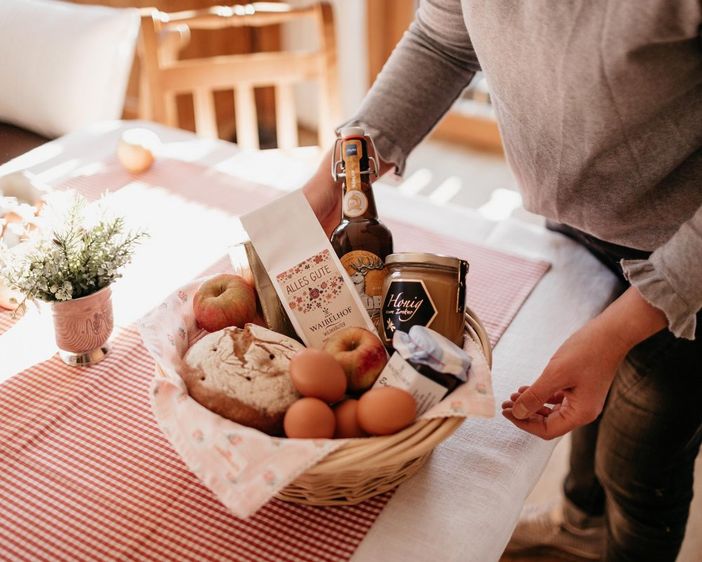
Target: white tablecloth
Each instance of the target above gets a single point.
(465, 502)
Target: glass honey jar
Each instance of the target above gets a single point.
(427, 290)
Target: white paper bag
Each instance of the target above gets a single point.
(313, 286)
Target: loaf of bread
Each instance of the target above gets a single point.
(243, 375)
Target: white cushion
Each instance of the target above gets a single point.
(63, 66)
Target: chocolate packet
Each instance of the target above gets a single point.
(313, 286)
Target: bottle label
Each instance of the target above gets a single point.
(407, 303)
(355, 203)
(367, 271)
(352, 152)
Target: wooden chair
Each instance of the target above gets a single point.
(163, 76)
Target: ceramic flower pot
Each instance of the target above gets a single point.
(83, 326)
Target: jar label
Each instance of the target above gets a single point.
(400, 374)
(407, 303)
(367, 271)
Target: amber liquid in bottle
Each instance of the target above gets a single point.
(361, 241)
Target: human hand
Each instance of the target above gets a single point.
(324, 196)
(572, 389)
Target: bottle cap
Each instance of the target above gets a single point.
(347, 132)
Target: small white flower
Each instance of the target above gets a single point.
(74, 258)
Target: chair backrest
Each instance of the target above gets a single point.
(163, 76)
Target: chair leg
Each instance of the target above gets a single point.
(285, 116)
(246, 121)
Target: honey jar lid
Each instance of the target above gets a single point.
(423, 258)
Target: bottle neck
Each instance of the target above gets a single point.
(358, 202)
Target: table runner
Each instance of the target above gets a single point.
(86, 474)
(494, 308)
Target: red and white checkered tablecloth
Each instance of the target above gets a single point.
(85, 474)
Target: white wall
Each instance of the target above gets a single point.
(352, 52)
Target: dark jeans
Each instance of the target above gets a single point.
(635, 463)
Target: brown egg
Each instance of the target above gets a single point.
(385, 410)
(316, 373)
(309, 418)
(135, 149)
(347, 421)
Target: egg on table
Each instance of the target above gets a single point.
(135, 149)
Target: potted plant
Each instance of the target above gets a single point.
(71, 264)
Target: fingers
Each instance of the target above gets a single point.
(537, 408)
(545, 411)
(534, 397)
(557, 398)
(549, 426)
(555, 401)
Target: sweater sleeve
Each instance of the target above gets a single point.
(671, 279)
(426, 72)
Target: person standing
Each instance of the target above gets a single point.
(600, 108)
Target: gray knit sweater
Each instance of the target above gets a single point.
(600, 107)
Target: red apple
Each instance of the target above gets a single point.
(224, 300)
(361, 355)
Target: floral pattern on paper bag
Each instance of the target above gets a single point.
(320, 291)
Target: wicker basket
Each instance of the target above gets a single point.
(365, 467)
(369, 466)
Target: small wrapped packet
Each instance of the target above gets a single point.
(425, 364)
